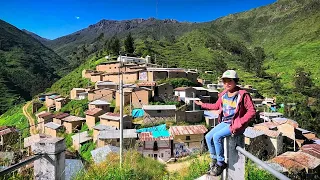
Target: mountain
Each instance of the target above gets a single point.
(37, 37)
(288, 30)
(27, 66)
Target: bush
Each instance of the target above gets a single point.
(76, 107)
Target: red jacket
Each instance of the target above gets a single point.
(245, 111)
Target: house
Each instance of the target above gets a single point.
(106, 84)
(215, 86)
(189, 116)
(163, 92)
(267, 116)
(101, 104)
(127, 93)
(160, 148)
(100, 127)
(100, 154)
(8, 136)
(113, 119)
(155, 74)
(185, 94)
(74, 93)
(128, 77)
(127, 59)
(211, 118)
(95, 77)
(112, 66)
(50, 100)
(57, 117)
(72, 122)
(112, 137)
(86, 73)
(79, 139)
(257, 102)
(140, 96)
(92, 116)
(192, 76)
(82, 95)
(60, 102)
(52, 128)
(190, 137)
(102, 94)
(157, 113)
(42, 118)
(28, 141)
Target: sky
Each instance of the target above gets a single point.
(55, 18)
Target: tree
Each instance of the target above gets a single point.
(302, 80)
(258, 63)
(114, 45)
(129, 44)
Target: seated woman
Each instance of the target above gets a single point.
(236, 110)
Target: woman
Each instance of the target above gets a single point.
(236, 109)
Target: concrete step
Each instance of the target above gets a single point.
(208, 177)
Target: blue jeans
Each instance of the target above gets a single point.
(214, 139)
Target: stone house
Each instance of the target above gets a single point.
(52, 129)
(79, 139)
(112, 137)
(92, 116)
(42, 118)
(72, 123)
(102, 94)
(8, 136)
(159, 148)
(100, 127)
(191, 136)
(57, 117)
(74, 93)
(106, 84)
(158, 113)
(113, 119)
(104, 105)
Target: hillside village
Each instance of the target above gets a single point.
(161, 121)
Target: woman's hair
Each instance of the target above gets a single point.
(236, 80)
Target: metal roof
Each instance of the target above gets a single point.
(99, 102)
(252, 133)
(115, 134)
(269, 125)
(44, 114)
(81, 137)
(61, 115)
(52, 125)
(112, 116)
(101, 127)
(185, 130)
(200, 88)
(73, 118)
(312, 149)
(147, 136)
(73, 166)
(60, 99)
(158, 107)
(182, 88)
(93, 111)
(100, 154)
(285, 121)
(105, 83)
(304, 131)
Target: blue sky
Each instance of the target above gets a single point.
(56, 18)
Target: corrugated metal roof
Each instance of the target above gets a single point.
(115, 134)
(101, 127)
(252, 133)
(316, 141)
(44, 114)
(94, 111)
(99, 102)
(73, 118)
(312, 149)
(296, 161)
(81, 137)
(61, 115)
(52, 125)
(158, 107)
(112, 116)
(73, 166)
(105, 83)
(100, 154)
(303, 131)
(147, 136)
(285, 121)
(184, 130)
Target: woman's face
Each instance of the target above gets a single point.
(228, 84)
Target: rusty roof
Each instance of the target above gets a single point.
(312, 149)
(283, 120)
(147, 136)
(73, 119)
(296, 161)
(93, 111)
(6, 130)
(147, 84)
(182, 88)
(185, 130)
(45, 114)
(60, 115)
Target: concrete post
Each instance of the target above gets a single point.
(235, 160)
(51, 166)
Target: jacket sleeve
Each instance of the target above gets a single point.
(250, 113)
(215, 106)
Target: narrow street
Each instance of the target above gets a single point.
(29, 117)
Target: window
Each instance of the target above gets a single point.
(109, 67)
(165, 88)
(155, 146)
(162, 155)
(139, 100)
(118, 140)
(187, 137)
(158, 111)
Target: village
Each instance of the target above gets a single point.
(161, 121)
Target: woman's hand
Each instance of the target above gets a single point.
(199, 103)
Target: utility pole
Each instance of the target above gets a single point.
(121, 112)
(194, 105)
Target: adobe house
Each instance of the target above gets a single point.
(106, 84)
(96, 77)
(140, 96)
(52, 128)
(79, 139)
(163, 91)
(154, 113)
(126, 97)
(42, 118)
(112, 137)
(190, 116)
(108, 67)
(92, 116)
(160, 148)
(128, 77)
(57, 117)
(147, 84)
(8, 136)
(102, 94)
(113, 119)
(60, 102)
(100, 127)
(86, 73)
(104, 105)
(191, 136)
(72, 122)
(51, 99)
(75, 91)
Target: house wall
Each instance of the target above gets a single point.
(50, 132)
(91, 120)
(96, 77)
(74, 92)
(194, 142)
(192, 77)
(127, 124)
(140, 97)
(95, 135)
(70, 126)
(127, 77)
(159, 116)
(126, 99)
(102, 94)
(49, 102)
(108, 67)
(106, 86)
(163, 152)
(127, 143)
(86, 74)
(157, 75)
(164, 91)
(189, 116)
(57, 121)
(177, 74)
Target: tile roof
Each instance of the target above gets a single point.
(251, 132)
(147, 136)
(82, 137)
(147, 84)
(112, 116)
(182, 88)
(115, 134)
(185, 130)
(44, 114)
(61, 115)
(99, 102)
(285, 121)
(34, 138)
(100, 154)
(52, 125)
(73, 118)
(158, 107)
(6, 130)
(94, 111)
(72, 167)
(312, 149)
(101, 127)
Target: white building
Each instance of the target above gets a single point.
(267, 116)
(128, 59)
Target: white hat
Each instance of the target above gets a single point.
(232, 74)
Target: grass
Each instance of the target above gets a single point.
(255, 173)
(76, 107)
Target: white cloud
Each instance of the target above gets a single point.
(77, 17)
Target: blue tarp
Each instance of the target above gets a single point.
(157, 131)
(137, 113)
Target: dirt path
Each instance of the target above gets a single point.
(29, 117)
